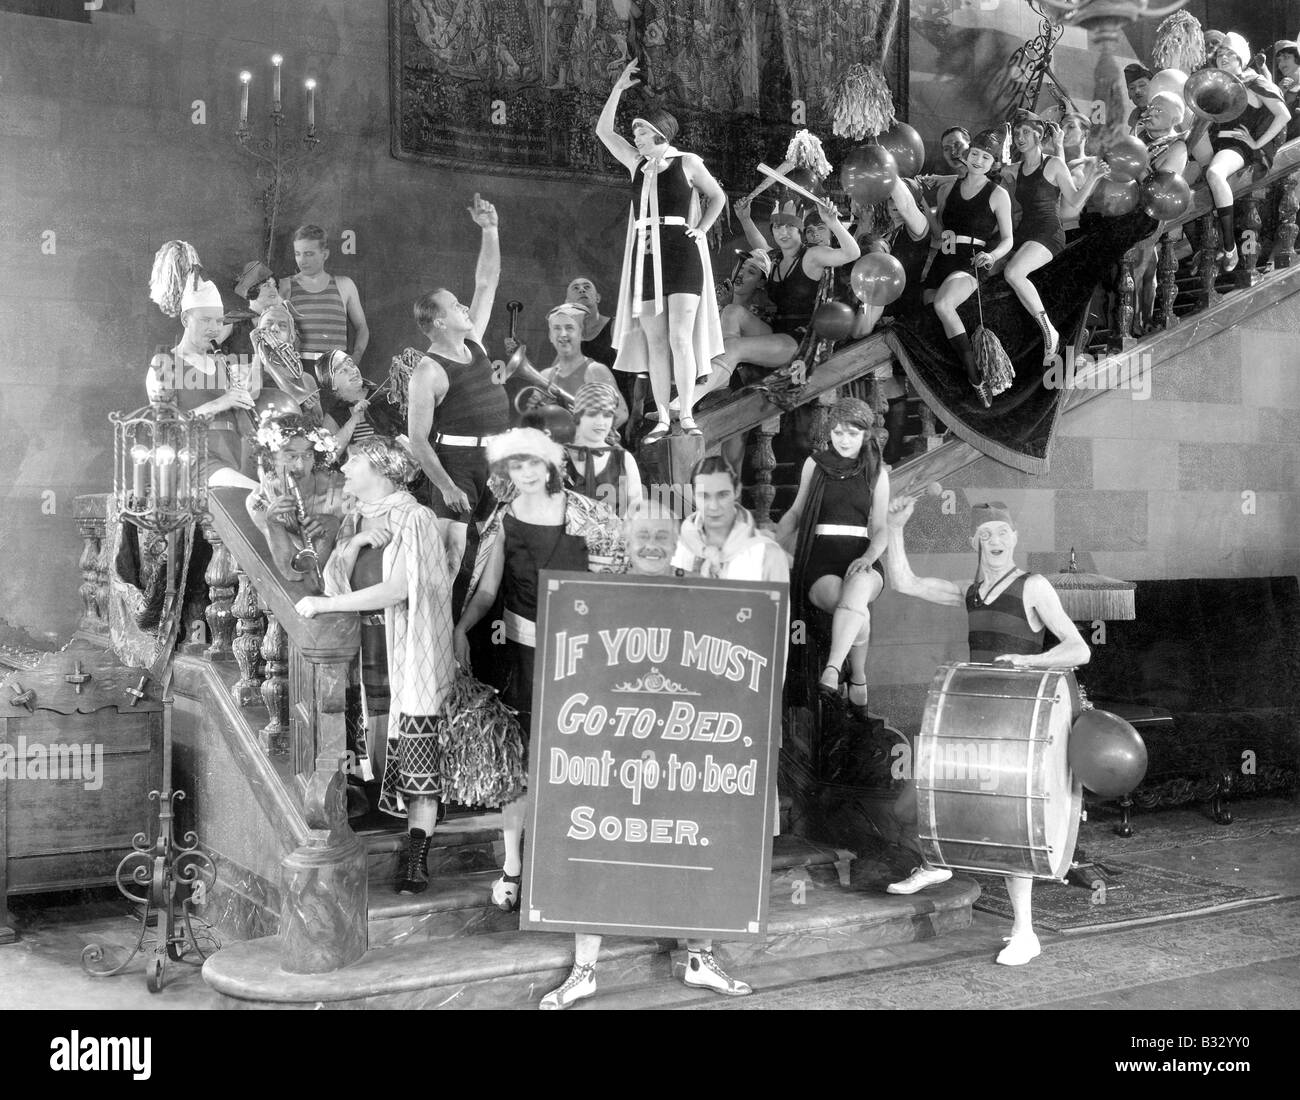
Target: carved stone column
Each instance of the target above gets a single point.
(1166, 283)
(250, 628)
(1288, 204)
(221, 577)
(274, 736)
(763, 462)
(1209, 259)
(1249, 221)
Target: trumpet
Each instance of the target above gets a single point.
(305, 559)
(539, 390)
(1215, 95)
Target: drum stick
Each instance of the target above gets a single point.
(779, 178)
(933, 489)
(785, 166)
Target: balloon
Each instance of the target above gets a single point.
(1107, 754)
(869, 174)
(906, 147)
(1167, 80)
(805, 179)
(1128, 159)
(878, 278)
(554, 420)
(1116, 197)
(1165, 195)
(833, 320)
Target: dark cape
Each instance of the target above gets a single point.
(1019, 427)
(804, 670)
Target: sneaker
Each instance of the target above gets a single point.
(578, 986)
(919, 879)
(1019, 949)
(703, 972)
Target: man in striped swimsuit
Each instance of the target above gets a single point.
(1008, 610)
(325, 303)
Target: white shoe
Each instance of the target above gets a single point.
(919, 879)
(578, 986)
(703, 972)
(1019, 949)
(675, 405)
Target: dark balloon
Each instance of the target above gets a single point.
(878, 279)
(1165, 196)
(869, 174)
(833, 320)
(905, 144)
(1116, 197)
(1107, 755)
(1128, 159)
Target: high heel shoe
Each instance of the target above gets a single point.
(829, 691)
(505, 892)
(689, 427)
(859, 707)
(658, 432)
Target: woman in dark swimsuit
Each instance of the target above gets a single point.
(840, 516)
(665, 269)
(971, 210)
(1227, 149)
(792, 287)
(544, 526)
(1042, 182)
(595, 467)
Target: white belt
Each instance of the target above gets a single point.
(672, 219)
(520, 630)
(967, 240)
(842, 529)
(459, 440)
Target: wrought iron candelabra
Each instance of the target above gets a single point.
(157, 486)
(278, 156)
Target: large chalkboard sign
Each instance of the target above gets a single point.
(656, 722)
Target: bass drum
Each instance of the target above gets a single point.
(994, 788)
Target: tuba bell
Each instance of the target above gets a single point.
(1215, 95)
(538, 391)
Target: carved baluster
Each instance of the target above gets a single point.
(221, 577)
(274, 736)
(1209, 259)
(1288, 205)
(247, 646)
(90, 513)
(1127, 297)
(763, 461)
(1250, 223)
(1166, 282)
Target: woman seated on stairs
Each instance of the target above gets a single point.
(840, 518)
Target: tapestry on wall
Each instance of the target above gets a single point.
(517, 85)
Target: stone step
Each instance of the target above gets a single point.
(514, 969)
(460, 904)
(461, 845)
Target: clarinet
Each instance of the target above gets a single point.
(305, 559)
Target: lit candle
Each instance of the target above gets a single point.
(276, 61)
(165, 460)
(184, 460)
(244, 78)
(311, 104)
(140, 463)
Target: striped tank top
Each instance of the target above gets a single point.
(324, 319)
(1001, 626)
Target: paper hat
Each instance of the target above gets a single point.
(1238, 45)
(524, 441)
(595, 397)
(787, 214)
(200, 294)
(992, 512)
(1136, 72)
(255, 273)
(760, 258)
(570, 309)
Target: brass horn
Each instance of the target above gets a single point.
(1215, 94)
(527, 397)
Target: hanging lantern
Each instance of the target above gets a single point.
(159, 452)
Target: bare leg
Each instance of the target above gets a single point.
(681, 340)
(655, 327)
(1029, 258)
(1226, 164)
(1022, 945)
(955, 290)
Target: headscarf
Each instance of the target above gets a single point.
(595, 397)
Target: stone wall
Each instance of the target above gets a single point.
(1201, 479)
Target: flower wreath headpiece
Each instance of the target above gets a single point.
(274, 432)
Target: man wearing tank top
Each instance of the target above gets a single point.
(1008, 611)
(325, 303)
(452, 403)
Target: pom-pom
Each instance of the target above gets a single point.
(860, 103)
(1179, 43)
(172, 265)
(805, 151)
(481, 746)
